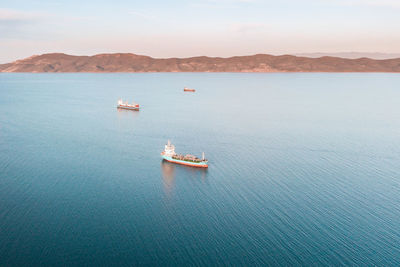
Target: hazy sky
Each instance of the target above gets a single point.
(178, 28)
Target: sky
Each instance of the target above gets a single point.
(178, 28)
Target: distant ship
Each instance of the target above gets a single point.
(169, 155)
(125, 105)
(188, 89)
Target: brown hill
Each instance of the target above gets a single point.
(58, 62)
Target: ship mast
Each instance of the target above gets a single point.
(203, 156)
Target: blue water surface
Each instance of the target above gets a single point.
(304, 169)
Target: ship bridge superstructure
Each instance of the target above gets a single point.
(169, 149)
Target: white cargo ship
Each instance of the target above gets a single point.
(126, 105)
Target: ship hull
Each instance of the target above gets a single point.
(130, 108)
(187, 163)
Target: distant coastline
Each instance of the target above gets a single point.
(351, 55)
(126, 62)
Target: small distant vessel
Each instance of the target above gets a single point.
(126, 105)
(169, 155)
(189, 89)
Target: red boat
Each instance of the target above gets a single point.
(188, 89)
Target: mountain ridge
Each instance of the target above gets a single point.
(128, 62)
(351, 55)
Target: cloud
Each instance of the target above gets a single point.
(142, 15)
(222, 4)
(18, 24)
(376, 3)
(247, 27)
(232, 1)
(11, 15)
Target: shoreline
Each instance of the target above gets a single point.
(260, 63)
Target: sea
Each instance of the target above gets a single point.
(304, 169)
